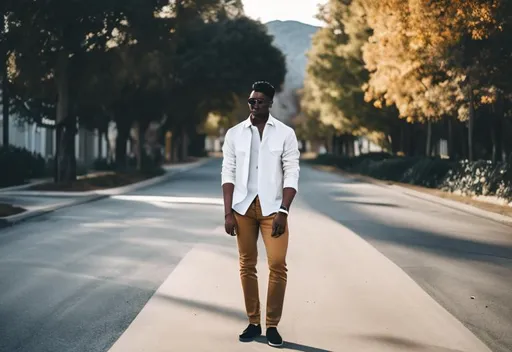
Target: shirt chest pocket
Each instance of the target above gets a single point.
(276, 148)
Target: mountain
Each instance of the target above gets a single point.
(294, 40)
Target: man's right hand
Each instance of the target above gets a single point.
(230, 224)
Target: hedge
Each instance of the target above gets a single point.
(469, 178)
(19, 165)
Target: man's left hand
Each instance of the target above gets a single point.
(279, 224)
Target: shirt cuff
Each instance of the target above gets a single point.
(291, 183)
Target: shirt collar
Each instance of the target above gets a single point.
(270, 121)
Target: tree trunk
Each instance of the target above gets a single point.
(428, 150)
(65, 159)
(497, 130)
(328, 142)
(5, 101)
(409, 141)
(175, 149)
(335, 145)
(123, 133)
(352, 147)
(395, 139)
(140, 147)
(110, 157)
(184, 145)
(496, 145)
(471, 123)
(464, 142)
(100, 144)
(403, 138)
(348, 143)
(142, 127)
(451, 152)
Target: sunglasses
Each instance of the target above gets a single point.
(253, 101)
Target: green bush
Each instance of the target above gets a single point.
(428, 172)
(102, 164)
(348, 163)
(391, 169)
(20, 165)
(502, 181)
(470, 178)
(480, 178)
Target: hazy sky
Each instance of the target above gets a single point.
(298, 10)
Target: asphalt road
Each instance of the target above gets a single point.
(452, 255)
(153, 270)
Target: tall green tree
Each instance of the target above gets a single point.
(51, 37)
(216, 63)
(336, 74)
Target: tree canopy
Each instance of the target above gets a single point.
(133, 62)
(427, 61)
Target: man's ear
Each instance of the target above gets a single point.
(270, 104)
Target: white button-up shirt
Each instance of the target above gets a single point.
(277, 164)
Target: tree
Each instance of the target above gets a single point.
(432, 61)
(51, 37)
(210, 74)
(428, 58)
(333, 91)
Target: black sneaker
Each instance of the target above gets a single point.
(273, 337)
(251, 332)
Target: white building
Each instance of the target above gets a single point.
(41, 140)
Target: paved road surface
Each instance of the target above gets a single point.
(153, 271)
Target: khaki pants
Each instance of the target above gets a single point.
(248, 229)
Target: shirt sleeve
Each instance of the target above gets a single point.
(291, 156)
(229, 160)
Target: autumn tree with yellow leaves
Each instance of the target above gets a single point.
(441, 64)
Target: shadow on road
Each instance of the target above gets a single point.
(353, 206)
(436, 243)
(462, 261)
(375, 204)
(404, 344)
(233, 314)
(293, 346)
(212, 308)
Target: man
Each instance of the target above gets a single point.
(260, 173)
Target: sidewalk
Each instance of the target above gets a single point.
(38, 203)
(342, 295)
(477, 207)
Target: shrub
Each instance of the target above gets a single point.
(480, 178)
(20, 165)
(391, 169)
(470, 178)
(428, 172)
(102, 164)
(348, 163)
(502, 180)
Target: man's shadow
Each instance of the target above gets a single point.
(292, 346)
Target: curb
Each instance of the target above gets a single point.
(466, 208)
(6, 190)
(18, 218)
(92, 196)
(503, 219)
(111, 191)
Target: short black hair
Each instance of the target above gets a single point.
(265, 88)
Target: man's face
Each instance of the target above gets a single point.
(259, 104)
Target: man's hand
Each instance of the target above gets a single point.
(279, 224)
(230, 224)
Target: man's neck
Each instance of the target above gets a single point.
(259, 120)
